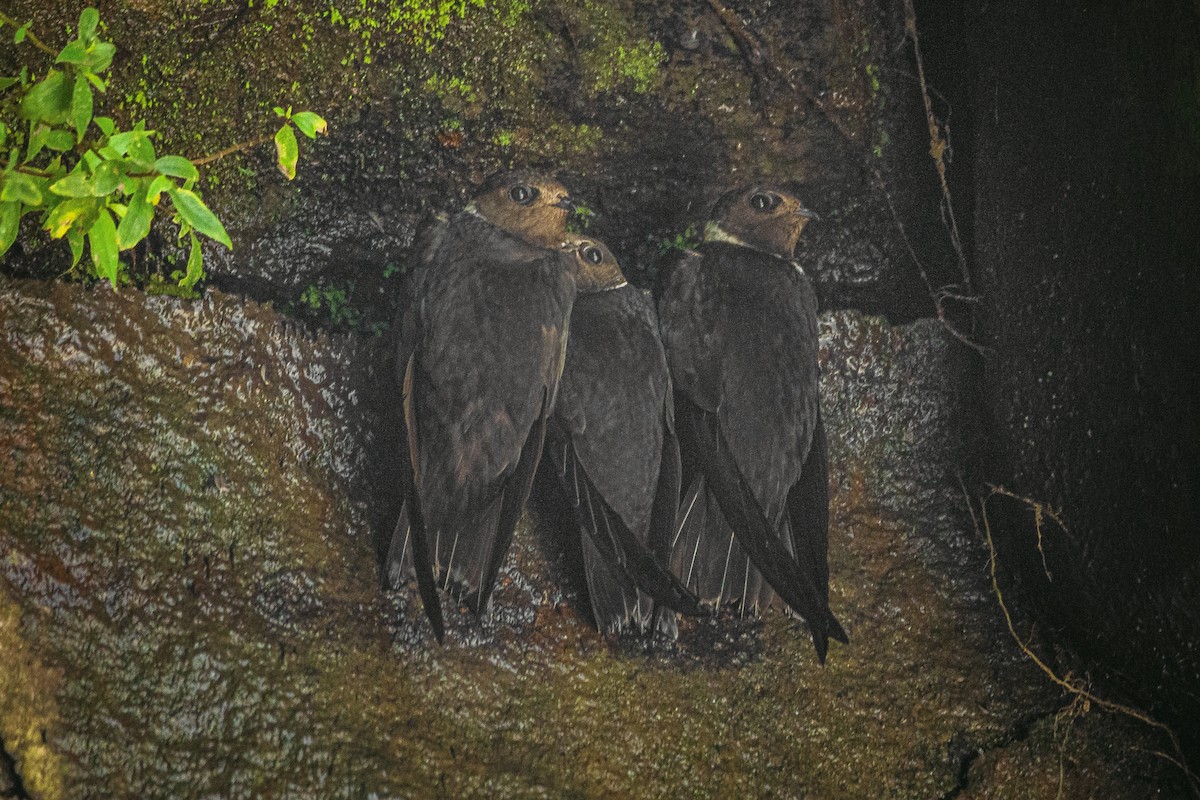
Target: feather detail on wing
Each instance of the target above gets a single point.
(612, 538)
(795, 582)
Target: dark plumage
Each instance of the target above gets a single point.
(612, 441)
(739, 322)
(482, 348)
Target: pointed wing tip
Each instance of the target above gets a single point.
(836, 631)
(687, 603)
(821, 642)
(433, 612)
(821, 636)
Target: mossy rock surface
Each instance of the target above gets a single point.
(190, 602)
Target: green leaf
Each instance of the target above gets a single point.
(136, 222)
(49, 100)
(122, 143)
(177, 167)
(141, 152)
(59, 140)
(102, 241)
(75, 240)
(88, 21)
(310, 124)
(7, 82)
(10, 221)
(81, 107)
(279, 112)
(157, 186)
(195, 265)
(19, 36)
(287, 151)
(77, 184)
(100, 56)
(22, 188)
(105, 124)
(37, 141)
(74, 53)
(195, 213)
(106, 178)
(96, 81)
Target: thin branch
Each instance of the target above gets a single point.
(5, 19)
(759, 57)
(936, 295)
(228, 151)
(937, 144)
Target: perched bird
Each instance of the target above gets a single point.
(482, 348)
(612, 441)
(739, 324)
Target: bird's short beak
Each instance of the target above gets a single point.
(804, 212)
(569, 203)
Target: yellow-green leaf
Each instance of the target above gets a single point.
(310, 124)
(59, 140)
(22, 188)
(195, 213)
(287, 151)
(10, 221)
(77, 184)
(74, 53)
(65, 214)
(157, 186)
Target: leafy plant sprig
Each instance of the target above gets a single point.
(93, 184)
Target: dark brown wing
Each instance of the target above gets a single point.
(617, 460)
(490, 327)
(740, 332)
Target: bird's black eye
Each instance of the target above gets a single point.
(762, 201)
(593, 254)
(523, 194)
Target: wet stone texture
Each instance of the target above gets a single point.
(189, 601)
(194, 495)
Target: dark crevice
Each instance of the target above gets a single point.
(11, 784)
(968, 753)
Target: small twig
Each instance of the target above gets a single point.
(759, 57)
(228, 151)
(937, 144)
(936, 295)
(38, 43)
(1040, 512)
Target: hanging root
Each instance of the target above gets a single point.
(1082, 697)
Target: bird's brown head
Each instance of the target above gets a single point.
(529, 205)
(769, 220)
(597, 267)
